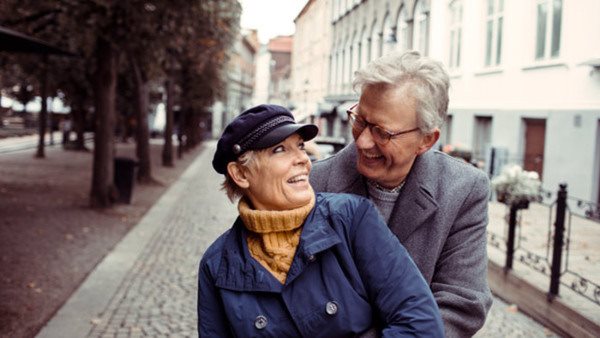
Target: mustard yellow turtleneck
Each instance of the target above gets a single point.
(274, 235)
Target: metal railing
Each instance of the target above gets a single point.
(555, 263)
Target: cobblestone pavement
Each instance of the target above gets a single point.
(157, 296)
(505, 320)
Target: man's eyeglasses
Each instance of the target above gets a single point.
(380, 135)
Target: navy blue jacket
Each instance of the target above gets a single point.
(348, 269)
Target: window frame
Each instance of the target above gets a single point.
(420, 34)
(494, 34)
(455, 33)
(551, 37)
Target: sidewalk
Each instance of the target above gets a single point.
(531, 262)
(147, 285)
(50, 239)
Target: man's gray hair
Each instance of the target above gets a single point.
(427, 79)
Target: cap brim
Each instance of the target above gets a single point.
(306, 131)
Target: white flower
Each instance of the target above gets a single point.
(514, 184)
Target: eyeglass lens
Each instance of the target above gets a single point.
(359, 125)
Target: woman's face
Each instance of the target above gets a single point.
(278, 177)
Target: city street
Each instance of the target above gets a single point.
(147, 285)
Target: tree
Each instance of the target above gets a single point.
(106, 33)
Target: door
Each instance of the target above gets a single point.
(482, 136)
(535, 135)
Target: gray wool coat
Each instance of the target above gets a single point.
(440, 217)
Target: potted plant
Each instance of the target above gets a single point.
(516, 187)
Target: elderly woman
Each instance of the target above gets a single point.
(296, 264)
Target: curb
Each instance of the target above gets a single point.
(91, 299)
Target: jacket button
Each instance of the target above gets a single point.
(331, 308)
(311, 258)
(260, 322)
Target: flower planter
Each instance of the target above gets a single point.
(521, 204)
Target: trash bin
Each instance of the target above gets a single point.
(124, 177)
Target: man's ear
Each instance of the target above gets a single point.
(428, 141)
(238, 174)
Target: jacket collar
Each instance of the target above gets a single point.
(239, 271)
(415, 204)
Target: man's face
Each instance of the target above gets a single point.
(392, 109)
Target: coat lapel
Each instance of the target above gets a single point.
(416, 204)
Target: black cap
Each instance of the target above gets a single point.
(257, 128)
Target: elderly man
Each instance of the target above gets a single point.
(435, 204)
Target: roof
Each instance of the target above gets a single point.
(281, 44)
(13, 41)
(304, 9)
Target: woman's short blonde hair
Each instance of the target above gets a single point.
(233, 191)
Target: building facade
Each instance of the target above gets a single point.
(310, 58)
(525, 76)
(524, 82)
(280, 69)
(240, 81)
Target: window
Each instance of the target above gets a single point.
(493, 35)
(353, 54)
(549, 20)
(455, 33)
(364, 48)
(402, 31)
(388, 37)
(421, 26)
(375, 42)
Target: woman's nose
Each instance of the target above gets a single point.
(301, 156)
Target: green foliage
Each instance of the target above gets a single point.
(187, 40)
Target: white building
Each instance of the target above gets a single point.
(520, 82)
(310, 58)
(525, 75)
(261, 80)
(240, 81)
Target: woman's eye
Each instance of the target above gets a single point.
(301, 146)
(278, 149)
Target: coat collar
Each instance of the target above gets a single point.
(414, 206)
(239, 271)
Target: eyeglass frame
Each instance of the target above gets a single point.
(354, 116)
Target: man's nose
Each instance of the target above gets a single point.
(365, 139)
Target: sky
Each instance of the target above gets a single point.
(270, 17)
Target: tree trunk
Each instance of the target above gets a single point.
(142, 133)
(79, 125)
(167, 154)
(43, 118)
(103, 189)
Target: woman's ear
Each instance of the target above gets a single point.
(238, 174)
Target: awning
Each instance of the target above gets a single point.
(324, 108)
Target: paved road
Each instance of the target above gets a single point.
(147, 285)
